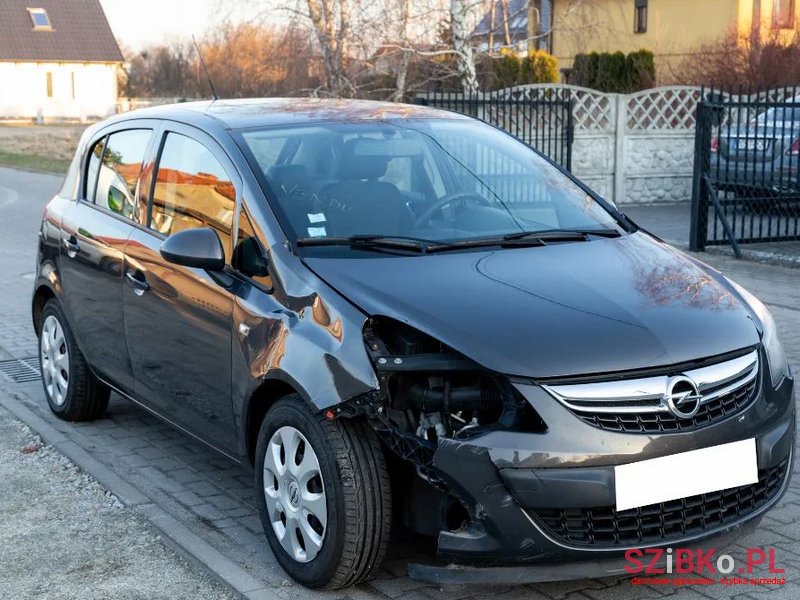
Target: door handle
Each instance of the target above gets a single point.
(137, 281)
(71, 246)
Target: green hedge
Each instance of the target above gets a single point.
(539, 67)
(509, 69)
(614, 72)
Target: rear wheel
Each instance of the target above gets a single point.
(325, 500)
(72, 391)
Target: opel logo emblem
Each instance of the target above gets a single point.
(683, 397)
(294, 494)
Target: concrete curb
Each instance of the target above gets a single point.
(185, 542)
(759, 256)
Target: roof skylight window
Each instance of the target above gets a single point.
(41, 22)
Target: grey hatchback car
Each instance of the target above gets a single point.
(404, 317)
(759, 157)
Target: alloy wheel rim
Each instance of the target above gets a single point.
(54, 357)
(295, 494)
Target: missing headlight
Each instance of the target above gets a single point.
(430, 391)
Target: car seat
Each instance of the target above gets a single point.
(359, 203)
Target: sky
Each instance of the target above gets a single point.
(139, 23)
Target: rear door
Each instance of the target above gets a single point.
(178, 320)
(94, 232)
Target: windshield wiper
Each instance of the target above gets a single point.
(370, 241)
(424, 246)
(563, 234)
(481, 242)
(525, 238)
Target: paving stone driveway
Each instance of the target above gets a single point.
(213, 496)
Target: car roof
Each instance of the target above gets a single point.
(265, 112)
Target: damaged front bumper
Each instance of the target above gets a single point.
(542, 508)
(519, 574)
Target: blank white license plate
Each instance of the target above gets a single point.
(758, 145)
(686, 474)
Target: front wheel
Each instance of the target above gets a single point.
(324, 495)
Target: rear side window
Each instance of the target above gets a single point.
(192, 189)
(118, 178)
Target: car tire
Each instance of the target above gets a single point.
(71, 389)
(353, 484)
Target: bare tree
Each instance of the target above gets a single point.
(383, 49)
(506, 30)
(243, 60)
(161, 70)
(332, 26)
(462, 22)
(259, 60)
(405, 52)
(743, 59)
(491, 24)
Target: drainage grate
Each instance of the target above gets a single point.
(21, 370)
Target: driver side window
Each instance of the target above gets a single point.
(192, 189)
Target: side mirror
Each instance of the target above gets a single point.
(200, 248)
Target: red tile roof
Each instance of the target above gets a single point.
(80, 32)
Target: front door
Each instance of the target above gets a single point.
(178, 320)
(94, 232)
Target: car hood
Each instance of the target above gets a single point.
(557, 310)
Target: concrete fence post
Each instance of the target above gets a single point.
(620, 127)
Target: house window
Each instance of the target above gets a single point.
(49, 80)
(783, 14)
(639, 16)
(41, 22)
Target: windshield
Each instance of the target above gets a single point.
(434, 180)
(778, 116)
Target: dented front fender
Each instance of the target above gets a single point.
(303, 334)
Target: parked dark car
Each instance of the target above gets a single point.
(403, 315)
(758, 156)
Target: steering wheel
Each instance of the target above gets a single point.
(446, 201)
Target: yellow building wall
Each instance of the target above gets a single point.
(675, 28)
(767, 32)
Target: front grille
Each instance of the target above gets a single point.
(650, 404)
(663, 522)
(660, 422)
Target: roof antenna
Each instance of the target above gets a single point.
(205, 69)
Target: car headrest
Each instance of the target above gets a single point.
(357, 162)
(288, 180)
(280, 174)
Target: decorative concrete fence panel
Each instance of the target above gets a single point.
(656, 157)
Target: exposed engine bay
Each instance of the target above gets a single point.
(429, 392)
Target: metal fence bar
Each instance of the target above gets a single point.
(698, 225)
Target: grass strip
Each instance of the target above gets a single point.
(34, 162)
